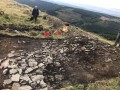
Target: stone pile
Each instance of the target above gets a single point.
(53, 63)
(24, 72)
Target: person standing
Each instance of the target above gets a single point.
(35, 14)
(117, 42)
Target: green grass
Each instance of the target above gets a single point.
(22, 20)
(111, 84)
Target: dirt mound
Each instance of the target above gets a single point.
(58, 63)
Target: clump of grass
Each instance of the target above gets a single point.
(33, 33)
(111, 84)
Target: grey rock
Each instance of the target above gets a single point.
(83, 48)
(24, 41)
(38, 51)
(30, 55)
(25, 88)
(31, 60)
(12, 66)
(35, 68)
(15, 78)
(15, 86)
(5, 64)
(61, 51)
(23, 61)
(16, 31)
(57, 64)
(108, 60)
(10, 55)
(21, 50)
(13, 71)
(5, 89)
(7, 82)
(39, 71)
(37, 77)
(37, 56)
(28, 70)
(33, 84)
(23, 66)
(43, 84)
(48, 59)
(18, 58)
(38, 82)
(41, 65)
(20, 71)
(25, 78)
(5, 71)
(32, 64)
(87, 50)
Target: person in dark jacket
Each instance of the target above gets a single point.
(35, 14)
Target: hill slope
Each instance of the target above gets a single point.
(101, 24)
(28, 60)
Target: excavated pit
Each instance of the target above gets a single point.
(60, 63)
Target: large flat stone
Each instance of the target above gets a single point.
(15, 78)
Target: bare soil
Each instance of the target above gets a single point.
(83, 60)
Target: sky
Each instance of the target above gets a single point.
(105, 6)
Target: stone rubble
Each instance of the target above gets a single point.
(33, 70)
(26, 73)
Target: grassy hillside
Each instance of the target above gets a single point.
(107, 27)
(21, 14)
(17, 15)
(101, 24)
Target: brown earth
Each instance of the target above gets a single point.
(82, 59)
